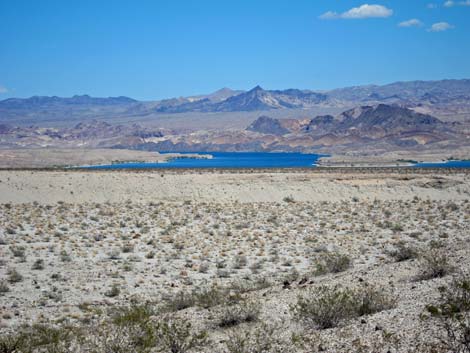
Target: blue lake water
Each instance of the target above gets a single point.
(447, 164)
(230, 160)
(255, 160)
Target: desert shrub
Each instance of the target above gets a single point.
(396, 227)
(42, 338)
(14, 276)
(150, 255)
(233, 315)
(324, 308)
(4, 288)
(38, 265)
(180, 301)
(127, 248)
(288, 199)
(135, 314)
(240, 262)
(64, 256)
(177, 336)
(370, 300)
(403, 252)
(263, 339)
(327, 307)
(12, 343)
(434, 264)
(112, 292)
(131, 330)
(332, 263)
(18, 251)
(452, 314)
(213, 296)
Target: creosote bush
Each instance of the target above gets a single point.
(332, 263)
(205, 298)
(127, 330)
(112, 292)
(434, 264)
(327, 307)
(263, 339)
(177, 336)
(403, 252)
(14, 276)
(452, 315)
(233, 315)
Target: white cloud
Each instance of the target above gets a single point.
(452, 3)
(414, 22)
(3, 89)
(363, 11)
(431, 6)
(440, 27)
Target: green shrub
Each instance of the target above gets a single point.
(180, 301)
(332, 263)
(177, 336)
(233, 315)
(12, 343)
(452, 314)
(114, 291)
(38, 265)
(18, 251)
(327, 307)
(214, 296)
(263, 339)
(434, 264)
(4, 288)
(14, 276)
(403, 252)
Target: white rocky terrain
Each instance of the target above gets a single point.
(299, 261)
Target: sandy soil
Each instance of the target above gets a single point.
(73, 236)
(46, 158)
(153, 186)
(394, 158)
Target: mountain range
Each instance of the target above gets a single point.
(418, 116)
(446, 99)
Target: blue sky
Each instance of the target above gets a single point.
(164, 48)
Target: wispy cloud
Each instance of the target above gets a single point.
(452, 3)
(440, 27)
(431, 6)
(414, 22)
(363, 11)
(3, 89)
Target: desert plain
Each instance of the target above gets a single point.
(327, 259)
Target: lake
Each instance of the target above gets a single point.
(254, 160)
(447, 164)
(230, 160)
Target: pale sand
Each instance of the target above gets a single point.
(47, 158)
(237, 229)
(146, 186)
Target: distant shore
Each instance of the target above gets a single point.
(66, 158)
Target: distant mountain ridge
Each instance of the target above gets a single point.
(441, 98)
(381, 126)
(45, 101)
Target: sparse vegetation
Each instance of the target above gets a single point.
(233, 315)
(14, 276)
(452, 313)
(434, 263)
(332, 263)
(146, 277)
(403, 252)
(327, 307)
(112, 292)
